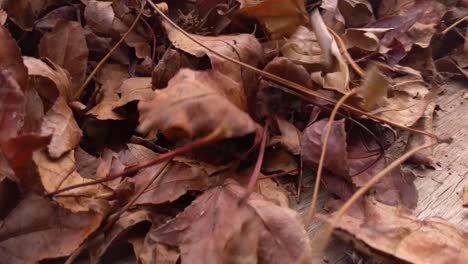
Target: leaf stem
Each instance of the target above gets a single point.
(311, 212)
(212, 138)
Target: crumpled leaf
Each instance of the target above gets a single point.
(289, 138)
(335, 72)
(66, 46)
(280, 17)
(242, 47)
(110, 77)
(122, 226)
(52, 72)
(302, 48)
(194, 104)
(349, 164)
(399, 236)
(168, 66)
(273, 192)
(423, 157)
(60, 173)
(401, 106)
(134, 89)
(99, 16)
(38, 229)
(203, 230)
(58, 15)
(10, 58)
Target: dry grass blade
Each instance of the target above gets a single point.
(311, 212)
(345, 52)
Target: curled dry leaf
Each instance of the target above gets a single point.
(423, 157)
(99, 16)
(61, 124)
(10, 58)
(289, 138)
(66, 46)
(168, 66)
(349, 9)
(119, 230)
(204, 230)
(302, 48)
(110, 77)
(52, 72)
(38, 229)
(396, 234)
(60, 173)
(242, 47)
(195, 104)
(280, 17)
(397, 105)
(273, 192)
(134, 89)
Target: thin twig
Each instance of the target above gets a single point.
(345, 52)
(212, 138)
(290, 87)
(454, 24)
(328, 231)
(258, 165)
(80, 91)
(279, 174)
(311, 213)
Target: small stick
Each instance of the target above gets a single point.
(345, 52)
(212, 138)
(258, 164)
(454, 24)
(327, 233)
(80, 91)
(311, 213)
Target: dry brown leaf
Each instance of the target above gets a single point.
(367, 39)
(242, 47)
(25, 12)
(396, 235)
(58, 15)
(194, 104)
(12, 106)
(61, 124)
(168, 66)
(119, 230)
(66, 46)
(38, 229)
(134, 89)
(100, 16)
(302, 48)
(102, 46)
(349, 9)
(278, 160)
(154, 252)
(273, 192)
(60, 173)
(110, 77)
(10, 58)
(3, 17)
(423, 157)
(204, 229)
(280, 17)
(289, 138)
(52, 72)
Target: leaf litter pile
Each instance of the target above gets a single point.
(177, 132)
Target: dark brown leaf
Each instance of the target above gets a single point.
(25, 12)
(66, 46)
(12, 106)
(38, 229)
(10, 58)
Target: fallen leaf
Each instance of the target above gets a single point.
(134, 89)
(273, 192)
(110, 77)
(3, 17)
(99, 16)
(154, 252)
(25, 12)
(61, 124)
(202, 231)
(280, 18)
(103, 45)
(397, 236)
(278, 160)
(198, 105)
(10, 58)
(349, 9)
(58, 15)
(302, 48)
(38, 229)
(66, 46)
(12, 106)
(52, 72)
(60, 173)
(168, 66)
(465, 196)
(119, 230)
(289, 138)
(242, 47)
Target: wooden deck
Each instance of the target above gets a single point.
(440, 190)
